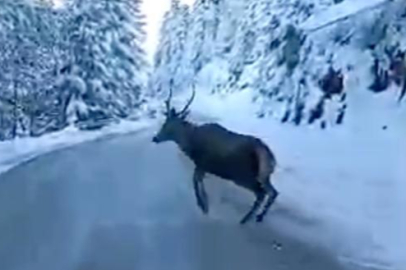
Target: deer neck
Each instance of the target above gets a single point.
(185, 136)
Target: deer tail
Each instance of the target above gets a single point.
(266, 163)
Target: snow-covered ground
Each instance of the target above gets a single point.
(347, 181)
(342, 188)
(126, 203)
(15, 152)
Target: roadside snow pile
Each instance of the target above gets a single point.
(13, 153)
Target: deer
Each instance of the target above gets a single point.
(242, 159)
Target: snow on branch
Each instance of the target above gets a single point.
(340, 13)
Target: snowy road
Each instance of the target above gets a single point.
(125, 203)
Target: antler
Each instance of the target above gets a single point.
(168, 101)
(185, 110)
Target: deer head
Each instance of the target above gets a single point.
(174, 121)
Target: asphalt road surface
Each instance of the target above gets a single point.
(125, 203)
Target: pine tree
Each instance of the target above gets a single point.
(197, 37)
(27, 41)
(203, 33)
(171, 67)
(107, 54)
(60, 66)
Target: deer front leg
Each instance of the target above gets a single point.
(200, 192)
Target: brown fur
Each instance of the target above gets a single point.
(242, 159)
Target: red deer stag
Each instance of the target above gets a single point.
(242, 159)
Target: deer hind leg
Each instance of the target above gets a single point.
(272, 193)
(200, 192)
(260, 196)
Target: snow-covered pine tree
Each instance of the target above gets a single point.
(188, 41)
(48, 54)
(106, 40)
(225, 26)
(182, 71)
(196, 37)
(26, 55)
(209, 11)
(47, 111)
(299, 74)
(159, 79)
(203, 33)
(244, 43)
(307, 70)
(171, 64)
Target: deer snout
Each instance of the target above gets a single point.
(155, 139)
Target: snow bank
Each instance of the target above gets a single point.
(343, 188)
(13, 153)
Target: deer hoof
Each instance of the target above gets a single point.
(244, 220)
(260, 218)
(205, 211)
(204, 208)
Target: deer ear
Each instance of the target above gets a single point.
(172, 112)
